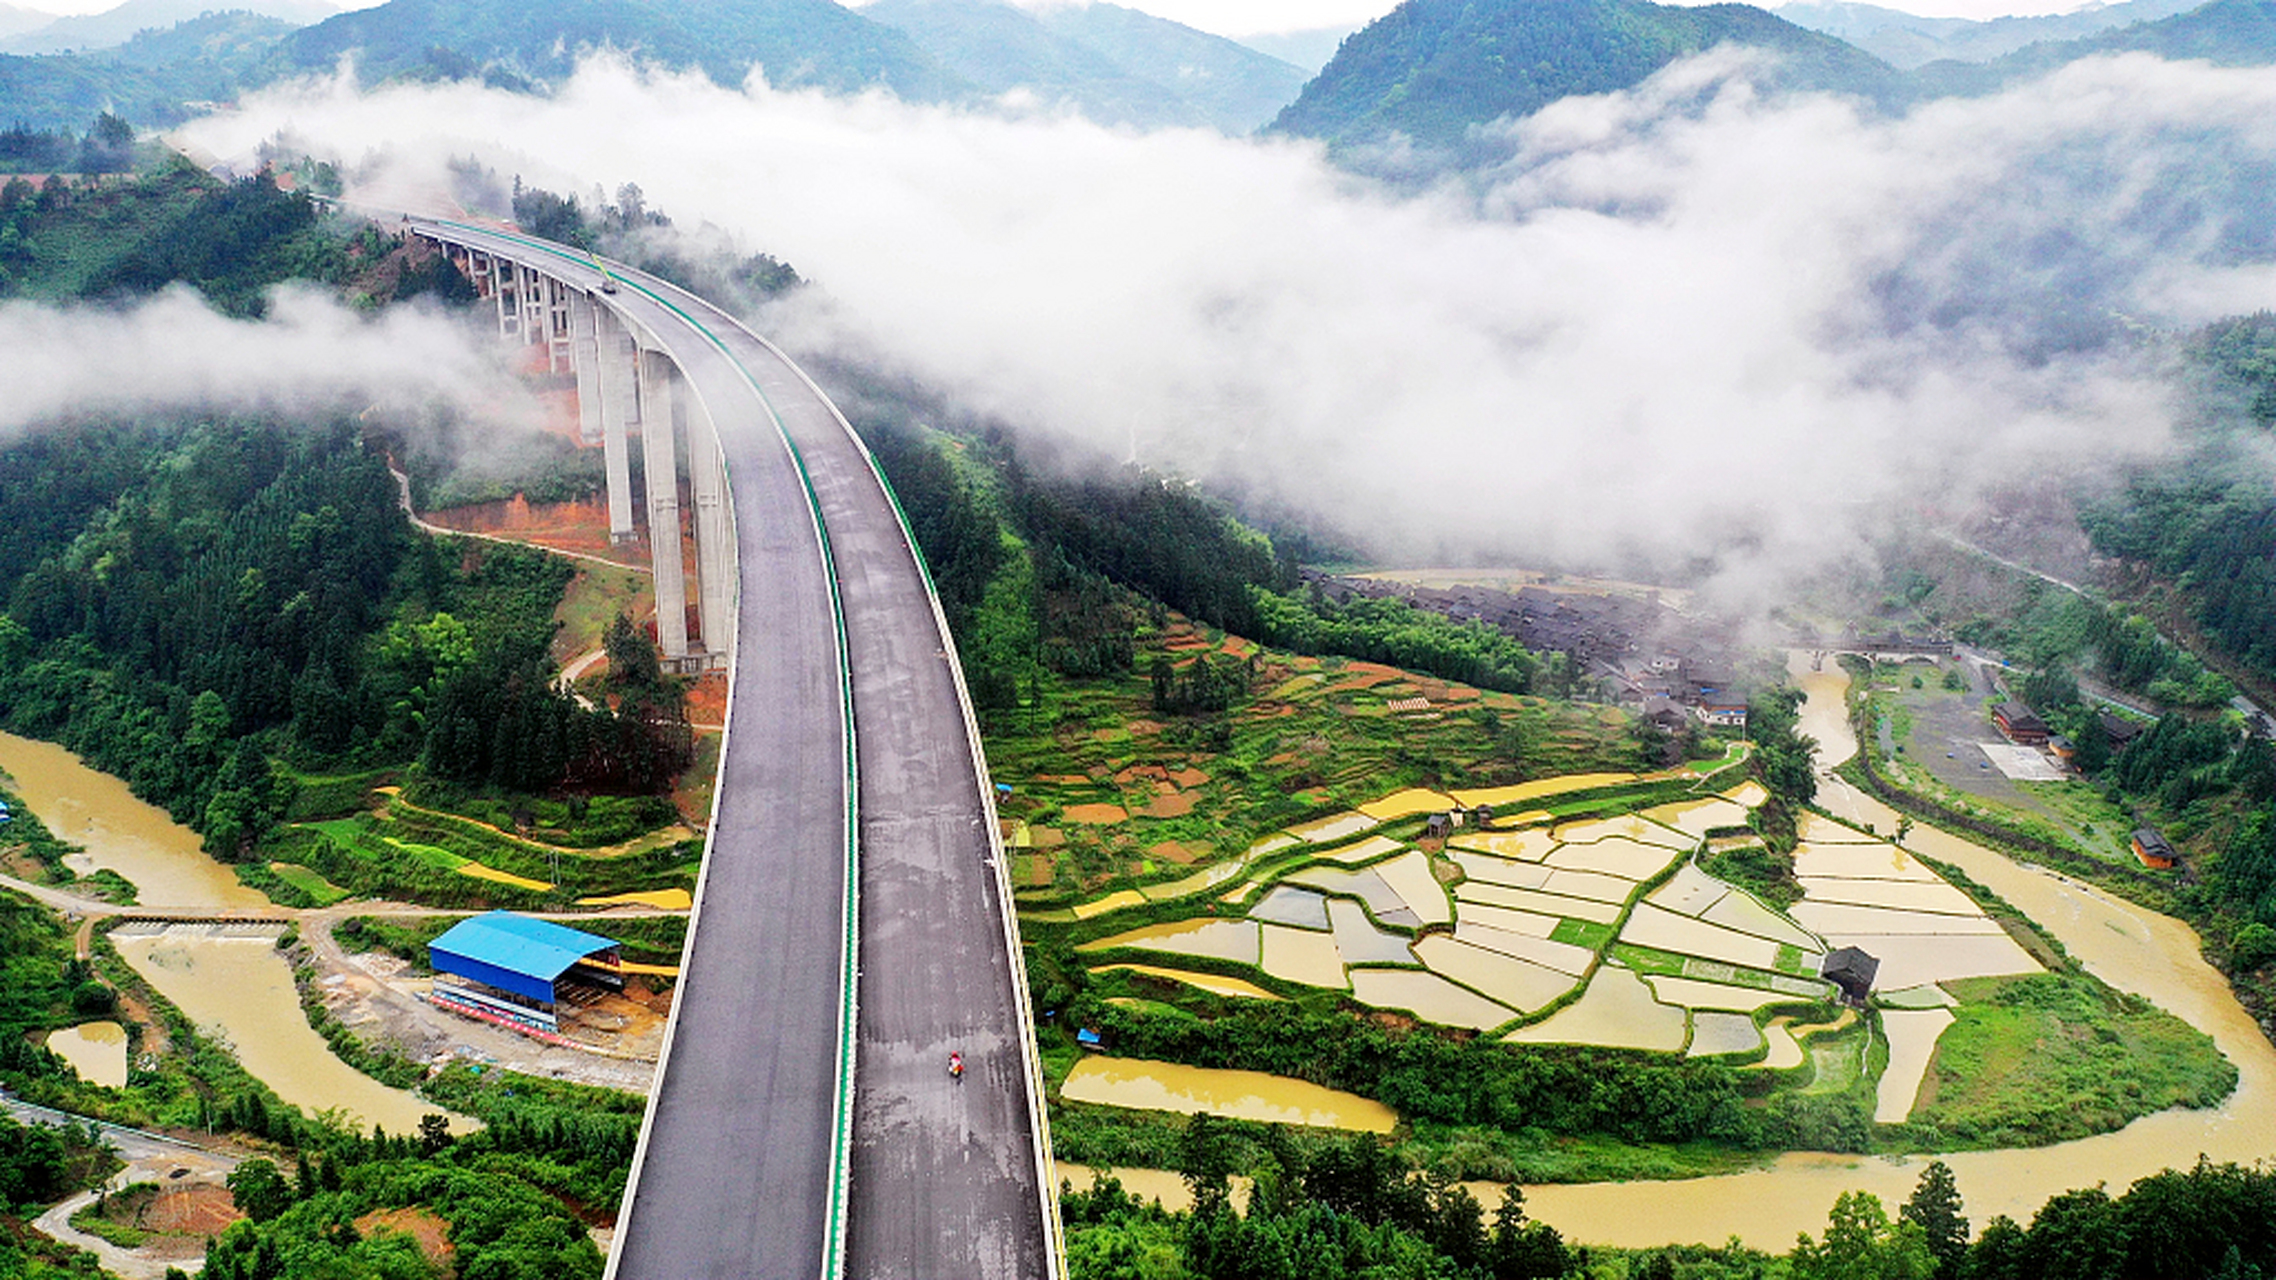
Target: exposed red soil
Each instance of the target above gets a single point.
(707, 699)
(195, 1208)
(430, 1232)
(1177, 804)
(1172, 851)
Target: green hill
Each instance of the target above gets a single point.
(801, 43)
(1430, 69)
(2226, 33)
(1000, 48)
(147, 79)
(1235, 87)
(1115, 65)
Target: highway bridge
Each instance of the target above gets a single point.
(853, 921)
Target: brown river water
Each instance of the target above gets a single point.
(238, 986)
(138, 840)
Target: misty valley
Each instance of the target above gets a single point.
(1533, 638)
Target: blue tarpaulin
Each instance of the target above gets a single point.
(513, 953)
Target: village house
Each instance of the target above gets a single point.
(2154, 850)
(2022, 727)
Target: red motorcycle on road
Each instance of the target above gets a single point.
(956, 1066)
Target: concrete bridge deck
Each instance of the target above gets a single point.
(789, 1137)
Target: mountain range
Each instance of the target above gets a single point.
(115, 27)
(1115, 65)
(1429, 71)
(1907, 40)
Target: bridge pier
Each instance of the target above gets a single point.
(659, 455)
(585, 362)
(560, 334)
(616, 368)
(715, 558)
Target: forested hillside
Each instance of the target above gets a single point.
(149, 80)
(2227, 33)
(1119, 66)
(2208, 526)
(1432, 68)
(1041, 560)
(801, 43)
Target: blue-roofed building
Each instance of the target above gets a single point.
(507, 968)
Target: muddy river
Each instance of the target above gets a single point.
(140, 841)
(2127, 946)
(239, 986)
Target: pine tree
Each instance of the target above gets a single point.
(1935, 1205)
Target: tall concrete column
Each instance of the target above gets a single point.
(617, 370)
(584, 361)
(560, 326)
(502, 291)
(657, 377)
(714, 544)
(529, 291)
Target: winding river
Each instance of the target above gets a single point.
(228, 982)
(138, 840)
(2129, 947)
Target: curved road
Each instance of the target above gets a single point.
(741, 1170)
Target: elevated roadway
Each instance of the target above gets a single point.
(853, 853)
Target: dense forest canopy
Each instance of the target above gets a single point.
(188, 599)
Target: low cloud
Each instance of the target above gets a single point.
(308, 357)
(1685, 325)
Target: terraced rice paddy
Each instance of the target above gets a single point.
(1864, 892)
(481, 872)
(1698, 817)
(1534, 900)
(1429, 997)
(1360, 941)
(1330, 830)
(1520, 984)
(1530, 845)
(1287, 904)
(1406, 804)
(1912, 1035)
(1703, 967)
(1715, 1034)
(661, 899)
(1616, 1012)
(1367, 850)
(1217, 939)
(1301, 955)
(1215, 983)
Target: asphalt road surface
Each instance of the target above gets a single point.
(945, 1176)
(735, 1173)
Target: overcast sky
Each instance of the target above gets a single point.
(1252, 17)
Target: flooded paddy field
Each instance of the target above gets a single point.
(96, 1050)
(1235, 1095)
